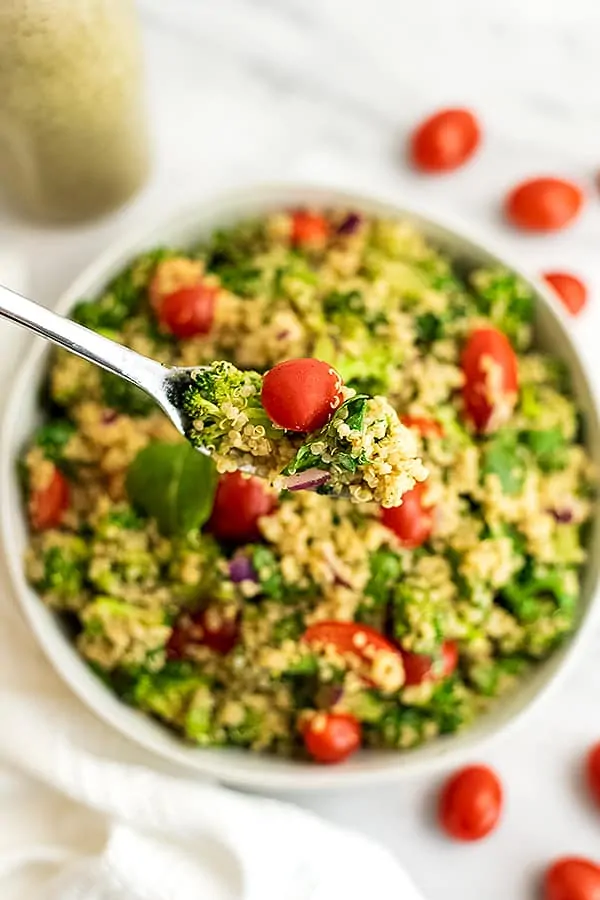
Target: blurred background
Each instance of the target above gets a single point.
(244, 91)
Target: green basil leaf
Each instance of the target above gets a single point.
(356, 412)
(174, 484)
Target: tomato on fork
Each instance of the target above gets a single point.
(301, 394)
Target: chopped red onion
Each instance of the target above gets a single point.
(350, 224)
(282, 335)
(336, 567)
(562, 516)
(307, 481)
(241, 569)
(109, 416)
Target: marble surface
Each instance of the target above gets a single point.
(255, 90)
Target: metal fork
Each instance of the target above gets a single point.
(162, 383)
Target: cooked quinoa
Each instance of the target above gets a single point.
(233, 630)
(363, 452)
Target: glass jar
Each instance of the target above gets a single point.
(73, 132)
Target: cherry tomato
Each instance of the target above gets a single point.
(571, 290)
(418, 667)
(470, 803)
(301, 394)
(46, 506)
(208, 628)
(445, 141)
(593, 772)
(543, 204)
(349, 637)
(411, 521)
(239, 503)
(189, 311)
(309, 229)
(332, 737)
(491, 385)
(572, 878)
(426, 427)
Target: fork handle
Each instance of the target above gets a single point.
(97, 349)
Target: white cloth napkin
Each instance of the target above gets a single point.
(85, 815)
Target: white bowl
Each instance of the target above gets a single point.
(238, 766)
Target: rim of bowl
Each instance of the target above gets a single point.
(61, 652)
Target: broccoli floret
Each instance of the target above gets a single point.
(180, 696)
(492, 677)
(289, 628)
(367, 373)
(419, 616)
(537, 593)
(120, 517)
(124, 397)
(385, 568)
(116, 633)
(72, 379)
(248, 730)
(400, 726)
(217, 388)
(231, 255)
(58, 570)
(122, 556)
(53, 437)
(123, 296)
(449, 707)
(505, 299)
(268, 572)
(194, 570)
(366, 706)
(549, 448)
(544, 603)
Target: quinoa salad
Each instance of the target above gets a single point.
(239, 613)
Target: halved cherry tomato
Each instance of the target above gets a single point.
(419, 667)
(349, 637)
(301, 394)
(445, 141)
(309, 229)
(208, 628)
(46, 506)
(593, 772)
(490, 368)
(332, 737)
(470, 803)
(189, 311)
(543, 204)
(572, 878)
(239, 503)
(426, 427)
(384, 666)
(411, 521)
(571, 290)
